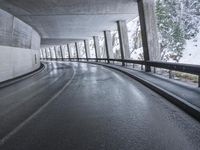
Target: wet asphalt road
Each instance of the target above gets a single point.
(96, 109)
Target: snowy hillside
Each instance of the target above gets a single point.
(191, 53)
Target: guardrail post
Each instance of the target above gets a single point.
(170, 74)
(108, 45)
(198, 80)
(142, 67)
(123, 40)
(154, 69)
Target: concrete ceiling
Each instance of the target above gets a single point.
(68, 20)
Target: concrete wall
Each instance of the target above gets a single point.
(19, 47)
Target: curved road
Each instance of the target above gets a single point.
(78, 106)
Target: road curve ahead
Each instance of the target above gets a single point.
(102, 109)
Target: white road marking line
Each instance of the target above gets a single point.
(20, 126)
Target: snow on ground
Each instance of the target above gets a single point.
(191, 54)
(135, 55)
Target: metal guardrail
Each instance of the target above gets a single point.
(186, 68)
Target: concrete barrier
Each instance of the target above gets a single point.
(19, 47)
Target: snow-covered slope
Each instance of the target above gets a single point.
(191, 54)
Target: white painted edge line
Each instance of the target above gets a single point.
(21, 125)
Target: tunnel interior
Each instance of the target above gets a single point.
(99, 74)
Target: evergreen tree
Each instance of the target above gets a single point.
(170, 33)
(177, 21)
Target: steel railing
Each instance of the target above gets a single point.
(186, 68)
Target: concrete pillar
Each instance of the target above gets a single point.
(149, 31)
(41, 54)
(87, 49)
(68, 49)
(64, 51)
(108, 45)
(50, 53)
(46, 53)
(55, 52)
(96, 46)
(77, 50)
(123, 40)
(61, 52)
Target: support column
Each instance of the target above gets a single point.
(149, 31)
(97, 48)
(46, 53)
(55, 52)
(61, 52)
(108, 45)
(50, 53)
(77, 53)
(123, 40)
(41, 54)
(87, 49)
(44, 56)
(69, 54)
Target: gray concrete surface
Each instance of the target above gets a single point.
(17, 61)
(64, 20)
(101, 109)
(149, 31)
(19, 47)
(123, 39)
(16, 33)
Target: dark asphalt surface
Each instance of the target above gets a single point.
(99, 110)
(185, 91)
